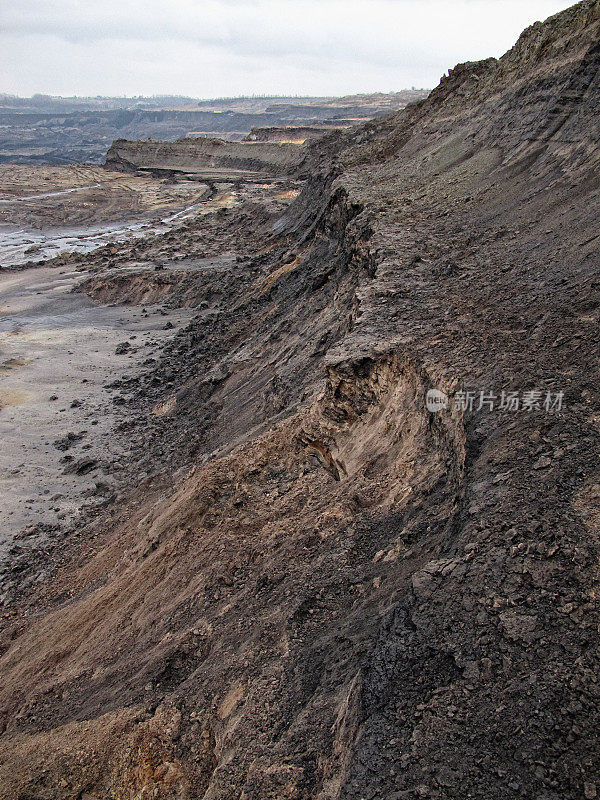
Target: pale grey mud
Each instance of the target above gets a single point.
(58, 350)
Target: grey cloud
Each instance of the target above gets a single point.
(369, 40)
(231, 26)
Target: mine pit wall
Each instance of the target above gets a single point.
(370, 419)
(348, 617)
(291, 133)
(309, 303)
(302, 302)
(203, 154)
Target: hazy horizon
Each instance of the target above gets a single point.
(232, 48)
(215, 98)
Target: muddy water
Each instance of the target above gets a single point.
(19, 245)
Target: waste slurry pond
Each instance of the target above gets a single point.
(57, 355)
(17, 246)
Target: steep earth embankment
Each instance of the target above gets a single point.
(342, 594)
(287, 133)
(208, 158)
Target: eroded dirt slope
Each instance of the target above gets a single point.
(327, 591)
(210, 157)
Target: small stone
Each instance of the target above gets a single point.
(81, 467)
(589, 790)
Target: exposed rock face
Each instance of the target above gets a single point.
(210, 158)
(347, 596)
(288, 133)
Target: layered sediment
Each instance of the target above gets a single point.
(209, 159)
(323, 589)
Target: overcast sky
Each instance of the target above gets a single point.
(212, 48)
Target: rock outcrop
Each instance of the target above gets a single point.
(208, 159)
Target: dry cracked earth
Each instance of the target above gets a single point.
(305, 583)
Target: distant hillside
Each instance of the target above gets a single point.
(45, 102)
(63, 130)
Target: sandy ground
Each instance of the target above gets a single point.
(57, 352)
(71, 393)
(59, 349)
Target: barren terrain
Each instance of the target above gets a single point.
(51, 211)
(56, 130)
(310, 584)
(57, 352)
